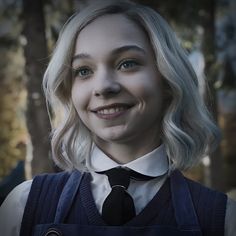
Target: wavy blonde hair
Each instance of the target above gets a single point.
(188, 132)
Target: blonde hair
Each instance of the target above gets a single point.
(188, 132)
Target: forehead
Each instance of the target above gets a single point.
(108, 32)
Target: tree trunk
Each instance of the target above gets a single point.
(226, 32)
(35, 61)
(208, 23)
(227, 118)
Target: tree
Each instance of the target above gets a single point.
(13, 135)
(35, 58)
(209, 50)
(226, 86)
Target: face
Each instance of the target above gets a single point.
(117, 89)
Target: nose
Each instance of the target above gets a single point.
(106, 85)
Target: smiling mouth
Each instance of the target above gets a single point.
(112, 111)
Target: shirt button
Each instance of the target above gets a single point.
(53, 232)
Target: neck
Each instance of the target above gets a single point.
(124, 152)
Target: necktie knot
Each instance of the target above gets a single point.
(118, 177)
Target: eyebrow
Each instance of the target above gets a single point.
(115, 51)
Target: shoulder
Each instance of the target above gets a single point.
(48, 182)
(210, 206)
(12, 209)
(47, 185)
(46, 190)
(214, 207)
(58, 175)
(202, 193)
(51, 177)
(203, 196)
(230, 218)
(18, 196)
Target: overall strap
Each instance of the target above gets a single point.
(67, 196)
(181, 198)
(43, 200)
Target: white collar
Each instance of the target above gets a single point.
(154, 163)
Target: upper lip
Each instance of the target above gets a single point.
(114, 105)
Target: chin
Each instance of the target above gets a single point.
(114, 136)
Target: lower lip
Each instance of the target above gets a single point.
(111, 116)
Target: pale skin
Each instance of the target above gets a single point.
(117, 89)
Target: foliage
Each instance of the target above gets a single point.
(13, 134)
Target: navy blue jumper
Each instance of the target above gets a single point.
(63, 204)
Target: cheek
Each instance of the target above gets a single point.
(79, 97)
(146, 89)
(145, 82)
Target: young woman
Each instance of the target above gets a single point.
(129, 118)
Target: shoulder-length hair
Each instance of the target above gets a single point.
(188, 131)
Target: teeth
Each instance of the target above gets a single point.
(111, 110)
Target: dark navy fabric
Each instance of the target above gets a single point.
(62, 204)
(40, 208)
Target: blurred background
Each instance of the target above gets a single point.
(28, 32)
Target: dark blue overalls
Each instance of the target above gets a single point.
(71, 212)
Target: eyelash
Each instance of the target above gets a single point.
(77, 72)
(133, 62)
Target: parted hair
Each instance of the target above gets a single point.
(187, 131)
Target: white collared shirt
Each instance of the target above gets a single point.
(154, 164)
